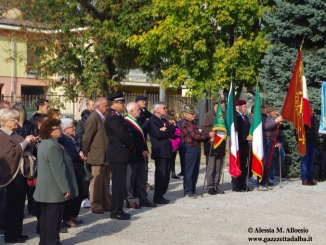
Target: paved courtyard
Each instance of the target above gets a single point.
(233, 218)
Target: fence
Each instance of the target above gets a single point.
(175, 103)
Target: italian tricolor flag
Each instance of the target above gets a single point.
(234, 165)
(256, 132)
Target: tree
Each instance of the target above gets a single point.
(84, 42)
(203, 44)
(292, 22)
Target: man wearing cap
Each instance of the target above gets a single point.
(239, 184)
(94, 144)
(191, 138)
(118, 152)
(144, 115)
(307, 161)
(214, 157)
(269, 126)
(161, 132)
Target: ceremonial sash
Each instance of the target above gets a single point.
(135, 124)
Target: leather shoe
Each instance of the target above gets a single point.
(311, 182)
(211, 191)
(161, 201)
(305, 182)
(270, 184)
(147, 204)
(121, 216)
(133, 205)
(98, 211)
(247, 189)
(23, 237)
(175, 177)
(17, 240)
(238, 190)
(218, 191)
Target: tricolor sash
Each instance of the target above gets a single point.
(135, 124)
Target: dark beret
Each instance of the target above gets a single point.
(240, 102)
(140, 97)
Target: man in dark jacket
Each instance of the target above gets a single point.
(137, 167)
(85, 113)
(144, 113)
(214, 157)
(161, 132)
(118, 151)
(307, 161)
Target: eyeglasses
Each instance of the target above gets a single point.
(71, 127)
(55, 128)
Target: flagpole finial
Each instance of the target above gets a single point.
(302, 42)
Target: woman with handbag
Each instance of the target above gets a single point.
(12, 173)
(56, 182)
(71, 146)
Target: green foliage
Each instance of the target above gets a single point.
(203, 44)
(291, 22)
(85, 41)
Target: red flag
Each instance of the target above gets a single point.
(293, 108)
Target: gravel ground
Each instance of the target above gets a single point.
(220, 219)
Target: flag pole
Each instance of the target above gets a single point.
(248, 163)
(280, 163)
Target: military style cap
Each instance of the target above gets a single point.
(270, 108)
(221, 101)
(116, 97)
(140, 97)
(189, 109)
(240, 102)
(263, 105)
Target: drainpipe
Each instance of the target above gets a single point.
(12, 58)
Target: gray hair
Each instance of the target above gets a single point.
(7, 114)
(157, 105)
(65, 123)
(99, 101)
(130, 106)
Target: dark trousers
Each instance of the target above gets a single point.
(3, 203)
(162, 177)
(322, 166)
(50, 223)
(137, 174)
(214, 171)
(192, 157)
(181, 151)
(72, 206)
(119, 176)
(16, 193)
(172, 166)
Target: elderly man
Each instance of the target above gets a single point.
(307, 161)
(239, 184)
(161, 132)
(191, 139)
(118, 152)
(214, 157)
(269, 126)
(94, 145)
(137, 167)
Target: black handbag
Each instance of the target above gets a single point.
(87, 175)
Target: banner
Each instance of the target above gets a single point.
(322, 126)
(219, 126)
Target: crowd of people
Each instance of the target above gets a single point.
(42, 158)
